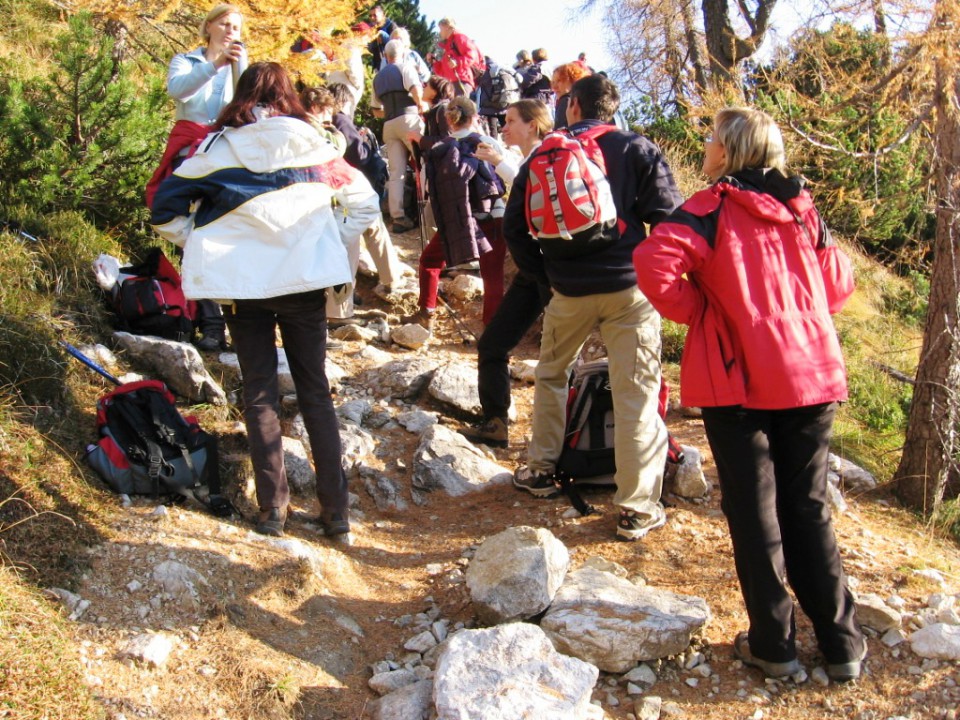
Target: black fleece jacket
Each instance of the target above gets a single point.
(644, 191)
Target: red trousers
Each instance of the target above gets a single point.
(432, 263)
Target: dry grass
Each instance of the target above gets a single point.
(40, 675)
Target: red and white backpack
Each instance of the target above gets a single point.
(569, 204)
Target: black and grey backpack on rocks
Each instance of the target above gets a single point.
(589, 456)
(147, 447)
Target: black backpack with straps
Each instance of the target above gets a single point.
(147, 447)
(589, 456)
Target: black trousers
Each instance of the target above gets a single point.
(773, 474)
(302, 319)
(522, 304)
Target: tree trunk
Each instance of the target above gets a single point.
(880, 28)
(931, 453)
(725, 47)
(694, 51)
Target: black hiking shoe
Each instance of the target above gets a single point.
(845, 672)
(741, 648)
(538, 484)
(334, 524)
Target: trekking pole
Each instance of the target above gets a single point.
(421, 200)
(462, 327)
(88, 362)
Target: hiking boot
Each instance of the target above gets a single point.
(271, 521)
(334, 323)
(741, 648)
(402, 224)
(633, 526)
(334, 524)
(845, 672)
(492, 432)
(209, 343)
(536, 483)
(422, 317)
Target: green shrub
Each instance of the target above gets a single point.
(909, 303)
(84, 138)
(673, 336)
(46, 280)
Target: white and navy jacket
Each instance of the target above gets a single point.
(254, 211)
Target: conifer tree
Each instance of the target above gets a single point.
(84, 138)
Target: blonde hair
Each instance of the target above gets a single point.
(751, 140)
(401, 34)
(217, 12)
(460, 112)
(449, 22)
(536, 112)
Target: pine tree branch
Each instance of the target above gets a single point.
(871, 154)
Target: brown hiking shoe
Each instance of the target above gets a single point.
(270, 521)
(492, 431)
(422, 317)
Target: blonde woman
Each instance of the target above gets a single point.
(750, 266)
(201, 82)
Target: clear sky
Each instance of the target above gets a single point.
(502, 27)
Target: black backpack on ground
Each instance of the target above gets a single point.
(147, 447)
(588, 456)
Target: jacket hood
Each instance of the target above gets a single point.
(768, 194)
(277, 142)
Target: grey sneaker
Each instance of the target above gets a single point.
(492, 432)
(633, 526)
(741, 648)
(845, 672)
(537, 484)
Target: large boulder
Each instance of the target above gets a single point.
(613, 624)
(510, 672)
(515, 574)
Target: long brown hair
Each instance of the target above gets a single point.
(263, 83)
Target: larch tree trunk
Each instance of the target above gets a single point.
(725, 46)
(928, 469)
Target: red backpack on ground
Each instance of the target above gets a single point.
(147, 447)
(569, 204)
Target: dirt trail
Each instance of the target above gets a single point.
(267, 635)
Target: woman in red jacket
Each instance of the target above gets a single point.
(751, 268)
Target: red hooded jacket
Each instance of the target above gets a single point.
(467, 59)
(751, 268)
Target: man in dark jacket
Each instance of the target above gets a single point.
(384, 27)
(599, 288)
(536, 80)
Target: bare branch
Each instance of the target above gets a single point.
(872, 154)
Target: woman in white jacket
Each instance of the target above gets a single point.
(253, 212)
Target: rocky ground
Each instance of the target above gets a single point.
(183, 616)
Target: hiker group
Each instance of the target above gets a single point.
(270, 191)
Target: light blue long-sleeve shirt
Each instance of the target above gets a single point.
(200, 89)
